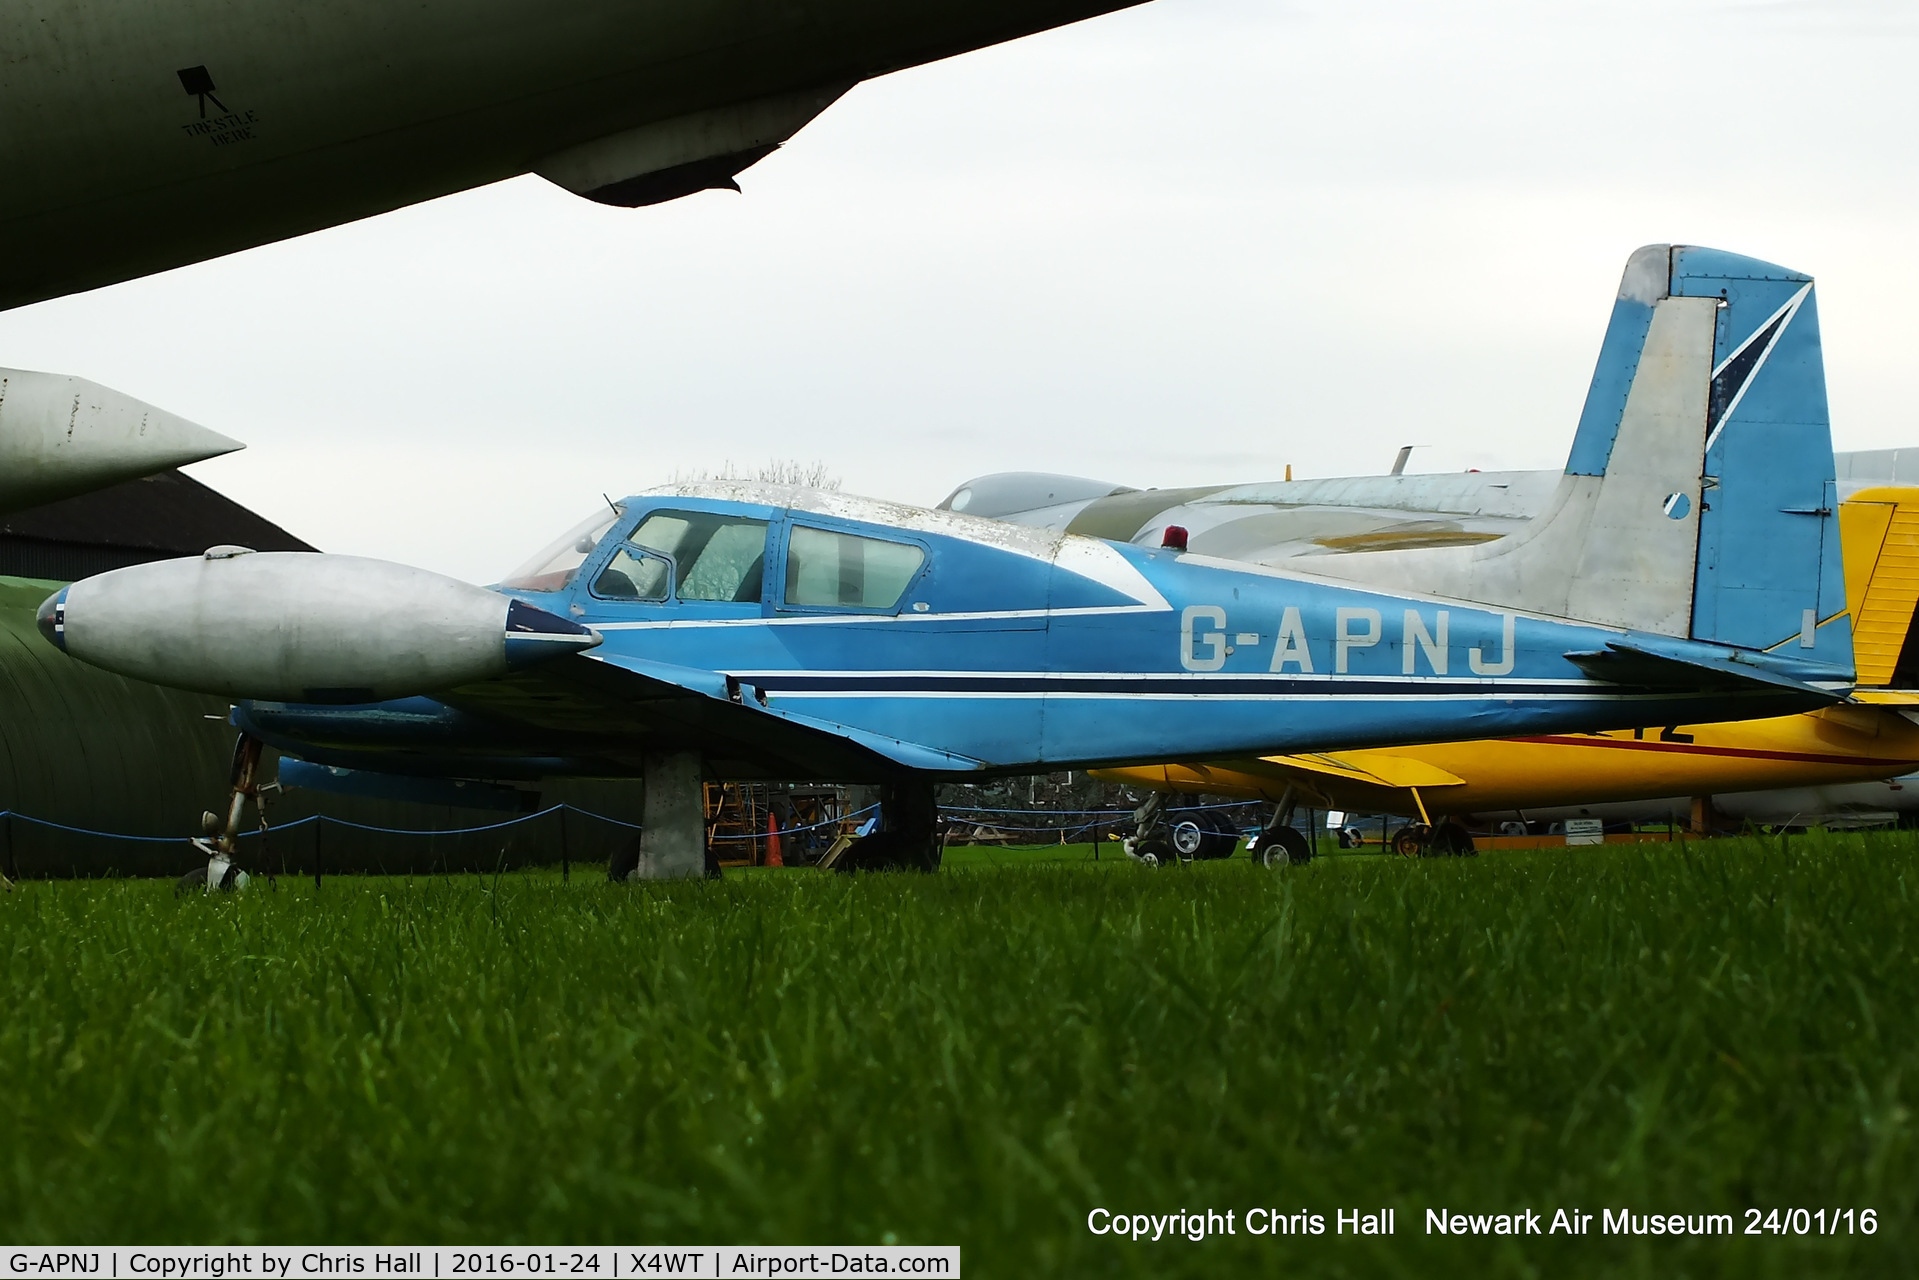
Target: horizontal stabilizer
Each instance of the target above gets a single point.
(1622, 662)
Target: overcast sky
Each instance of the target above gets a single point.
(1193, 242)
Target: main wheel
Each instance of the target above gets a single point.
(909, 835)
(1282, 846)
(200, 878)
(1201, 835)
(1155, 850)
(625, 861)
(1410, 841)
(1450, 840)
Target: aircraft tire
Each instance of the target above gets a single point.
(1411, 841)
(1200, 835)
(1222, 838)
(1283, 846)
(196, 880)
(1155, 850)
(1450, 840)
(891, 851)
(625, 861)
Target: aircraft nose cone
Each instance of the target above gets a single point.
(52, 619)
(534, 635)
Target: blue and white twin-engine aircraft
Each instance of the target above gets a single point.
(1686, 570)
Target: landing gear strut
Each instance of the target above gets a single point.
(1160, 837)
(221, 838)
(1278, 843)
(911, 836)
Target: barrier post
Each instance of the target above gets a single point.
(566, 861)
(319, 831)
(12, 867)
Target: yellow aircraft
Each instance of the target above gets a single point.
(1867, 739)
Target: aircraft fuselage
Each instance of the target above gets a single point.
(142, 136)
(1015, 649)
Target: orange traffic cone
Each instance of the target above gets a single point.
(773, 858)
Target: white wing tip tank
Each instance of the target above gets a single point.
(300, 627)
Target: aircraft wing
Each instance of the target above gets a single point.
(1375, 768)
(625, 707)
(1271, 523)
(1362, 780)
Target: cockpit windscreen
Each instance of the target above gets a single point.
(556, 563)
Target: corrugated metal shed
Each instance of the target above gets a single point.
(158, 517)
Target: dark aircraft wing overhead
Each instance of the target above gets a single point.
(626, 707)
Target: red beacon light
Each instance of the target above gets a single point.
(1174, 538)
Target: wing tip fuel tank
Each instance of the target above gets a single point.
(300, 627)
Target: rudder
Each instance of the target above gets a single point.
(1770, 573)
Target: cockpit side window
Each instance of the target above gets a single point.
(715, 557)
(840, 570)
(634, 575)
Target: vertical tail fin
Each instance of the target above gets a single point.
(1698, 499)
(1881, 531)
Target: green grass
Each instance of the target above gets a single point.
(981, 1057)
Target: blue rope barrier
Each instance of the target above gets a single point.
(318, 817)
(811, 826)
(1101, 818)
(1080, 813)
(82, 831)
